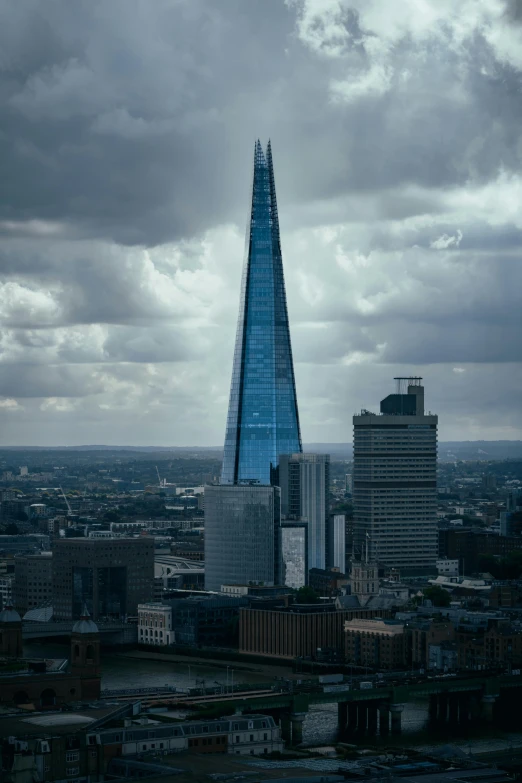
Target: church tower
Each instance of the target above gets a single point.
(85, 655)
(10, 633)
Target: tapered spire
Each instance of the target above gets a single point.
(263, 420)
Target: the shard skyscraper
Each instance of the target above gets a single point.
(263, 420)
(243, 513)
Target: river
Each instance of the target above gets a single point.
(320, 726)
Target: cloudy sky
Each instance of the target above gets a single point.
(126, 139)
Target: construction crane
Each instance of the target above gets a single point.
(160, 484)
(69, 509)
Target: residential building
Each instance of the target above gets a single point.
(241, 535)
(395, 487)
(33, 581)
(305, 484)
(155, 624)
(263, 420)
(110, 576)
(375, 642)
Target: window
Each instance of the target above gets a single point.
(265, 736)
(237, 737)
(72, 755)
(72, 771)
(251, 738)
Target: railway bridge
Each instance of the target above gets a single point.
(363, 710)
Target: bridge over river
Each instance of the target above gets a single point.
(360, 709)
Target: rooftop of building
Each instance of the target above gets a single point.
(20, 723)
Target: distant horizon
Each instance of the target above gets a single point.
(95, 446)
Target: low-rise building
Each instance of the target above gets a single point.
(376, 643)
(300, 630)
(328, 582)
(155, 624)
(237, 734)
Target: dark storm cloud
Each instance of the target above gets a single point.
(116, 116)
(126, 136)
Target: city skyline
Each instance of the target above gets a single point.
(127, 135)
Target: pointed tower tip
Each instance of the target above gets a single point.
(259, 155)
(85, 613)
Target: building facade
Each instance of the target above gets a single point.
(263, 420)
(376, 643)
(241, 535)
(395, 486)
(110, 576)
(299, 631)
(251, 735)
(337, 542)
(305, 484)
(294, 554)
(155, 624)
(33, 581)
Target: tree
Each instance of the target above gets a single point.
(12, 529)
(437, 595)
(306, 595)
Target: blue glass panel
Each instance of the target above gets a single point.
(263, 419)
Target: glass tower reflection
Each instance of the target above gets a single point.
(263, 420)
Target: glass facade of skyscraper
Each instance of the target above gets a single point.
(263, 420)
(241, 528)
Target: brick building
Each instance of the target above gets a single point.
(297, 631)
(422, 633)
(47, 684)
(376, 643)
(499, 646)
(467, 545)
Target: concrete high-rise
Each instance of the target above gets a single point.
(305, 483)
(395, 481)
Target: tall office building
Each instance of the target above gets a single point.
(110, 576)
(337, 542)
(263, 420)
(241, 535)
(242, 515)
(395, 487)
(305, 482)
